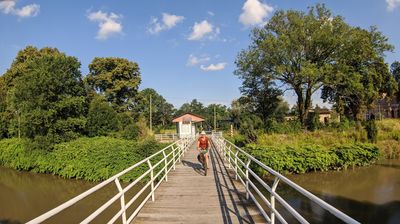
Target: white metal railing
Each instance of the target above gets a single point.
(170, 156)
(240, 161)
(166, 137)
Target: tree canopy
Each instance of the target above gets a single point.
(307, 51)
(117, 79)
(46, 94)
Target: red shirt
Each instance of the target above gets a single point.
(203, 142)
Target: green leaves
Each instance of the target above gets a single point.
(93, 159)
(46, 94)
(313, 157)
(117, 79)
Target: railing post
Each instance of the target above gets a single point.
(122, 198)
(229, 157)
(236, 165)
(247, 179)
(166, 166)
(273, 189)
(152, 181)
(173, 156)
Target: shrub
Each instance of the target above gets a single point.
(91, 159)
(313, 157)
(102, 118)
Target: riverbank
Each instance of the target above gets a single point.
(92, 159)
(330, 148)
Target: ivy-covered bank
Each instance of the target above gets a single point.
(92, 159)
(313, 157)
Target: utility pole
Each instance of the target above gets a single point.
(151, 122)
(215, 119)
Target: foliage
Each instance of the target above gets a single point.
(372, 130)
(307, 51)
(361, 74)
(395, 71)
(102, 118)
(117, 79)
(91, 159)
(313, 157)
(162, 111)
(295, 48)
(48, 97)
(285, 127)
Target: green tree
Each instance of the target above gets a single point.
(360, 75)
(117, 79)
(395, 71)
(194, 106)
(48, 94)
(295, 48)
(162, 111)
(260, 93)
(4, 119)
(222, 116)
(102, 118)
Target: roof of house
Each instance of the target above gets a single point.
(188, 117)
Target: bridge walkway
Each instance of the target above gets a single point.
(190, 197)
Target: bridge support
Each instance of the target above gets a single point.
(247, 179)
(166, 166)
(122, 200)
(152, 180)
(273, 189)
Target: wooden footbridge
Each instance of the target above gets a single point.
(174, 189)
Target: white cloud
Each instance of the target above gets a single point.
(392, 4)
(109, 24)
(168, 22)
(254, 12)
(8, 7)
(213, 67)
(193, 60)
(203, 30)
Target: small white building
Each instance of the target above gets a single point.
(185, 124)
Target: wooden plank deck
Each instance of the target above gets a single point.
(191, 197)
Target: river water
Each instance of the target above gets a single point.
(369, 194)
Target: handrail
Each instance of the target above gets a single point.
(177, 148)
(234, 161)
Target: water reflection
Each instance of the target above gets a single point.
(25, 195)
(368, 194)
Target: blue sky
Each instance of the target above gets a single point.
(185, 49)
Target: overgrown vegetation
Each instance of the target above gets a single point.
(92, 159)
(334, 147)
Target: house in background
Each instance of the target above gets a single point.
(385, 108)
(186, 124)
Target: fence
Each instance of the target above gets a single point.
(239, 161)
(166, 137)
(170, 156)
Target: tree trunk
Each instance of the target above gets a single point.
(300, 104)
(307, 104)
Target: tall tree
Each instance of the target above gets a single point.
(296, 49)
(162, 111)
(117, 79)
(48, 95)
(395, 70)
(359, 75)
(194, 106)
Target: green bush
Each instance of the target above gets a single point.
(93, 159)
(102, 118)
(313, 157)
